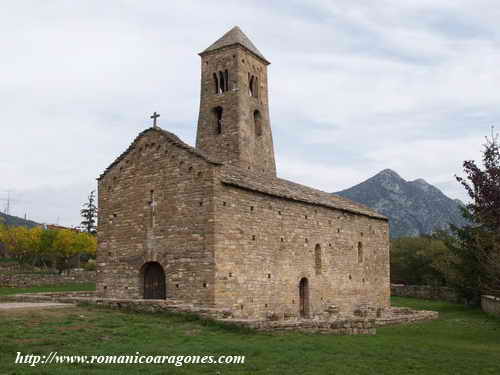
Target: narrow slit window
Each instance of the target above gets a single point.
(217, 115)
(317, 259)
(258, 123)
(222, 83)
(251, 86)
(216, 83)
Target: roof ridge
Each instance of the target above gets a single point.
(293, 191)
(232, 37)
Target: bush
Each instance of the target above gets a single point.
(90, 265)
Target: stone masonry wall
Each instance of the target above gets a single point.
(490, 304)
(153, 206)
(232, 247)
(264, 245)
(22, 280)
(238, 143)
(425, 292)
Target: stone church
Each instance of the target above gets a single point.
(213, 225)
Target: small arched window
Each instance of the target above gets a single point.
(317, 259)
(257, 123)
(360, 252)
(256, 87)
(217, 118)
(226, 80)
(251, 85)
(222, 82)
(216, 84)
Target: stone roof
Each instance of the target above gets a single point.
(290, 190)
(167, 136)
(261, 183)
(232, 37)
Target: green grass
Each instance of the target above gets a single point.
(462, 341)
(8, 260)
(49, 288)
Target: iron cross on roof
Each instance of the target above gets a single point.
(154, 117)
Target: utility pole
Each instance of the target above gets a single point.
(6, 209)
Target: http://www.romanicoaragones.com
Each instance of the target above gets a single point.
(137, 358)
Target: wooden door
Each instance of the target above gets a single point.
(304, 298)
(154, 281)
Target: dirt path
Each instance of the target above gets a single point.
(7, 306)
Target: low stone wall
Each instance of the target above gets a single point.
(337, 325)
(139, 305)
(490, 304)
(404, 315)
(24, 280)
(9, 267)
(425, 292)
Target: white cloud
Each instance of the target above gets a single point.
(355, 87)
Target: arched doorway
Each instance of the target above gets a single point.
(154, 281)
(304, 298)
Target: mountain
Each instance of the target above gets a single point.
(413, 207)
(16, 221)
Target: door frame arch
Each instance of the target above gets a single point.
(304, 304)
(153, 279)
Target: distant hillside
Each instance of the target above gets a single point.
(16, 221)
(413, 207)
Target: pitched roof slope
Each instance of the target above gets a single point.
(258, 182)
(291, 190)
(167, 136)
(235, 36)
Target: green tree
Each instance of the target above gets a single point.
(419, 260)
(89, 215)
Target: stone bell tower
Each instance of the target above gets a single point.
(233, 124)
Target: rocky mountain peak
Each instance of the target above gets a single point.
(420, 181)
(413, 207)
(388, 173)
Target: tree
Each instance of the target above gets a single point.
(419, 260)
(67, 243)
(89, 214)
(38, 246)
(477, 246)
(483, 186)
(21, 243)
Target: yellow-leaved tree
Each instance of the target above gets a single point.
(46, 247)
(21, 243)
(67, 243)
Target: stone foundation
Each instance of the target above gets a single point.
(335, 327)
(425, 292)
(403, 315)
(365, 321)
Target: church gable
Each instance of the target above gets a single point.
(157, 171)
(153, 210)
(159, 139)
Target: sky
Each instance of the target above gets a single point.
(355, 87)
